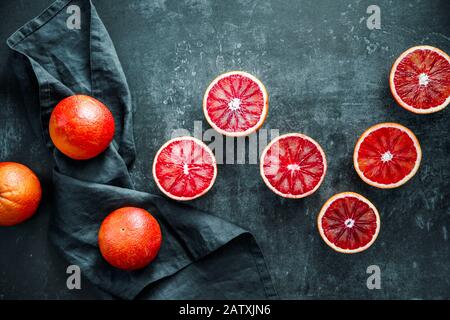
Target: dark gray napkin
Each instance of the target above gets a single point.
(202, 256)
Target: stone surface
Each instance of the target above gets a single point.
(327, 76)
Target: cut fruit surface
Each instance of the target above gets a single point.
(184, 168)
(236, 104)
(420, 79)
(387, 155)
(293, 165)
(348, 222)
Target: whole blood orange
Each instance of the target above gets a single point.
(387, 155)
(293, 165)
(420, 79)
(129, 238)
(20, 193)
(81, 127)
(236, 104)
(184, 168)
(348, 222)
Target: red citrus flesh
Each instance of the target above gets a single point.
(387, 155)
(184, 168)
(293, 165)
(20, 193)
(129, 238)
(235, 104)
(420, 79)
(81, 127)
(348, 222)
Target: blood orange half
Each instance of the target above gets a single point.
(420, 79)
(236, 104)
(387, 155)
(348, 222)
(293, 165)
(184, 168)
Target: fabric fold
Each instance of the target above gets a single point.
(202, 256)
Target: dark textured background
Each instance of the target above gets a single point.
(327, 76)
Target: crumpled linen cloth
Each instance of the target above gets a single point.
(202, 256)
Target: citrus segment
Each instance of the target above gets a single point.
(293, 165)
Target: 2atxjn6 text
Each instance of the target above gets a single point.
(226, 309)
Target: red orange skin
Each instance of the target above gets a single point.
(129, 238)
(20, 193)
(81, 127)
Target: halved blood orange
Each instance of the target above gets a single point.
(348, 222)
(293, 165)
(184, 168)
(236, 104)
(387, 155)
(420, 79)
